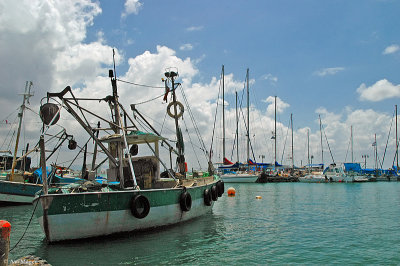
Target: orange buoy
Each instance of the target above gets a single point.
(231, 192)
(258, 197)
(5, 229)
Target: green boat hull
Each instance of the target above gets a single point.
(93, 214)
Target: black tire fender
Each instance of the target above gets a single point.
(207, 197)
(214, 193)
(220, 188)
(185, 200)
(140, 206)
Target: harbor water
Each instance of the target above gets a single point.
(291, 223)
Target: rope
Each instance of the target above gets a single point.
(203, 146)
(387, 141)
(26, 229)
(326, 138)
(147, 86)
(190, 139)
(215, 119)
(155, 98)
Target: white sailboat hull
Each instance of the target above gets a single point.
(239, 178)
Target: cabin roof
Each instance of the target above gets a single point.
(135, 137)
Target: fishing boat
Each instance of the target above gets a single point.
(19, 183)
(142, 196)
(14, 184)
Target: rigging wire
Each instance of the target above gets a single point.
(215, 118)
(387, 141)
(326, 138)
(155, 98)
(203, 146)
(191, 142)
(284, 144)
(141, 85)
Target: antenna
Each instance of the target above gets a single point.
(115, 73)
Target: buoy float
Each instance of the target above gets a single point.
(231, 192)
(258, 197)
(5, 229)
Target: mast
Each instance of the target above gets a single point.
(291, 124)
(181, 157)
(322, 147)
(121, 146)
(376, 154)
(275, 132)
(237, 128)
(308, 148)
(248, 121)
(397, 145)
(223, 112)
(351, 138)
(26, 95)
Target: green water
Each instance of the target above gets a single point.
(292, 223)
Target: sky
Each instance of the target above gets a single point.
(337, 60)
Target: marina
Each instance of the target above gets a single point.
(293, 223)
(135, 132)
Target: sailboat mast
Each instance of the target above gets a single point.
(308, 148)
(351, 138)
(237, 128)
(248, 121)
(275, 131)
(397, 144)
(376, 154)
(223, 112)
(26, 95)
(291, 124)
(322, 147)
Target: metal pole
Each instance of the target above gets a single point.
(237, 128)
(308, 148)
(43, 164)
(27, 94)
(248, 121)
(322, 147)
(351, 136)
(223, 112)
(291, 123)
(397, 145)
(275, 131)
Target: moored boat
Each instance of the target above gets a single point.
(143, 198)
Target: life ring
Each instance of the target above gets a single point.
(185, 200)
(58, 171)
(220, 188)
(181, 109)
(214, 193)
(207, 197)
(140, 206)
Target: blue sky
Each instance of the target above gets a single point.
(339, 59)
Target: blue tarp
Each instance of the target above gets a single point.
(353, 167)
(38, 173)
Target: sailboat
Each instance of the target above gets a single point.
(143, 198)
(231, 173)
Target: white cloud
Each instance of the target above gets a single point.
(391, 49)
(186, 47)
(381, 90)
(328, 71)
(131, 7)
(195, 28)
(270, 77)
(280, 105)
